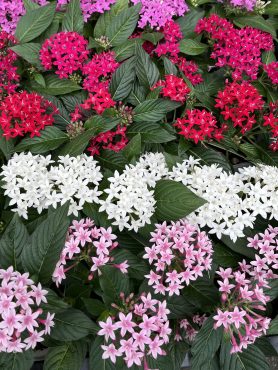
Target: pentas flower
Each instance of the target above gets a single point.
(238, 49)
(31, 182)
(23, 323)
(8, 72)
(239, 102)
(89, 7)
(188, 329)
(64, 52)
(174, 88)
(190, 70)
(22, 113)
(243, 292)
(130, 201)
(244, 4)
(86, 242)
(156, 13)
(170, 44)
(137, 332)
(199, 125)
(272, 71)
(180, 253)
(114, 140)
(99, 69)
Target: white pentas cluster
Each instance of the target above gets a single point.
(130, 201)
(233, 200)
(31, 181)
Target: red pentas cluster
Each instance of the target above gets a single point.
(99, 71)
(173, 88)
(272, 71)
(199, 125)
(239, 102)
(65, 52)
(271, 120)
(190, 70)
(22, 113)
(8, 74)
(239, 49)
(170, 45)
(114, 140)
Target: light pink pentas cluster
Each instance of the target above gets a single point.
(237, 49)
(65, 52)
(89, 243)
(180, 253)
(138, 331)
(243, 292)
(156, 13)
(244, 4)
(188, 329)
(22, 322)
(272, 71)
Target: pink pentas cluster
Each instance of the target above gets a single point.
(114, 140)
(23, 323)
(138, 331)
(22, 113)
(239, 102)
(272, 71)
(244, 4)
(98, 71)
(170, 43)
(180, 253)
(238, 49)
(243, 292)
(89, 7)
(8, 72)
(199, 125)
(191, 70)
(157, 13)
(174, 88)
(188, 329)
(89, 243)
(65, 52)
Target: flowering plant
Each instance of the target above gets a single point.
(138, 183)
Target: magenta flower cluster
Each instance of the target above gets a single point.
(156, 13)
(89, 7)
(180, 253)
(86, 242)
(65, 52)
(22, 322)
(140, 332)
(243, 292)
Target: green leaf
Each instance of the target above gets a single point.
(176, 352)
(153, 110)
(268, 57)
(170, 68)
(146, 70)
(210, 156)
(151, 132)
(152, 37)
(29, 52)
(125, 50)
(266, 347)
(46, 243)
(69, 356)
(123, 25)
(112, 283)
(225, 257)
(179, 307)
(16, 361)
(189, 21)
(272, 8)
(56, 86)
(174, 200)
(202, 294)
(206, 344)
(12, 242)
(122, 80)
(192, 47)
(272, 291)
(112, 160)
(6, 146)
(50, 138)
(73, 19)
(251, 358)
(137, 266)
(39, 79)
(94, 306)
(30, 5)
(54, 303)
(256, 21)
(72, 324)
(273, 329)
(34, 23)
(133, 148)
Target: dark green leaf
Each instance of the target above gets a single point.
(94, 306)
(34, 22)
(273, 329)
(192, 47)
(73, 19)
(29, 52)
(6, 146)
(153, 110)
(151, 132)
(189, 21)
(137, 266)
(56, 86)
(77, 145)
(46, 243)
(210, 156)
(125, 50)
(30, 5)
(133, 148)
(122, 80)
(12, 242)
(50, 138)
(225, 257)
(69, 356)
(202, 294)
(16, 361)
(146, 70)
(174, 200)
(72, 324)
